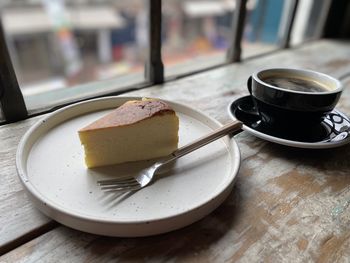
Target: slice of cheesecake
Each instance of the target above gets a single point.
(137, 130)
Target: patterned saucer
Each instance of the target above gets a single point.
(333, 131)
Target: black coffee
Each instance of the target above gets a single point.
(296, 84)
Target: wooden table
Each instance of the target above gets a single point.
(287, 205)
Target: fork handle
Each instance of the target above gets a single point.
(232, 127)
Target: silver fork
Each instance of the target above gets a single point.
(147, 176)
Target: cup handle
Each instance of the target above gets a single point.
(249, 84)
(248, 110)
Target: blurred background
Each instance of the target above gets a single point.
(60, 44)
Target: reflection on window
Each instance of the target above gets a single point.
(196, 34)
(60, 44)
(263, 27)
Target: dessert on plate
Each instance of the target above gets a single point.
(137, 130)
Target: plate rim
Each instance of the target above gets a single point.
(45, 205)
(296, 144)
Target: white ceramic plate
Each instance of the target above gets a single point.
(51, 167)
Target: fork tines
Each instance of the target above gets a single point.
(120, 184)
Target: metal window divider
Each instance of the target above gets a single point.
(235, 50)
(11, 97)
(154, 66)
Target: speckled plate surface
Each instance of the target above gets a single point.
(332, 132)
(51, 167)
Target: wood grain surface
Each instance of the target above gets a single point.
(288, 205)
(19, 220)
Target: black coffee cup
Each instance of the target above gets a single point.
(293, 98)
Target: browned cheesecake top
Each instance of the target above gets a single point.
(129, 113)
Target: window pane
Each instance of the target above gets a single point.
(263, 28)
(64, 51)
(196, 34)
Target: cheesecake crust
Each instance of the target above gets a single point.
(129, 113)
